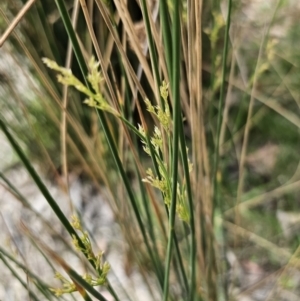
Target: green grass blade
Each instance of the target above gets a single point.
(153, 54)
(103, 122)
(221, 104)
(177, 249)
(176, 129)
(72, 36)
(166, 33)
(41, 185)
(193, 250)
(85, 285)
(30, 292)
(38, 180)
(23, 267)
(42, 286)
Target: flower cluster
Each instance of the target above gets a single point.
(94, 98)
(163, 181)
(102, 268)
(68, 286)
(162, 114)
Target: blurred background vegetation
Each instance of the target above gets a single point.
(256, 210)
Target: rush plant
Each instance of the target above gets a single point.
(140, 97)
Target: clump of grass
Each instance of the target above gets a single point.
(118, 96)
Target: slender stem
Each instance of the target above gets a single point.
(72, 36)
(220, 109)
(16, 21)
(176, 129)
(40, 183)
(42, 286)
(180, 262)
(192, 219)
(152, 50)
(30, 292)
(67, 22)
(77, 278)
(64, 124)
(127, 184)
(166, 33)
(219, 125)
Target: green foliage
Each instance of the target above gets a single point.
(201, 94)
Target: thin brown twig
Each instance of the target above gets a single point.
(16, 20)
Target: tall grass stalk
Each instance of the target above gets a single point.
(107, 133)
(221, 102)
(176, 127)
(147, 83)
(175, 143)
